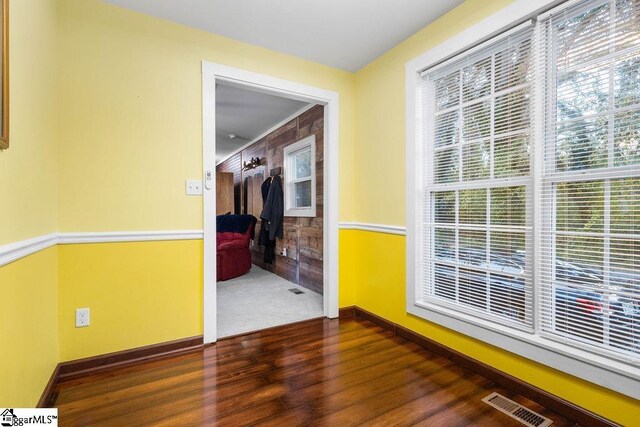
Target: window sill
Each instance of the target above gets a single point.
(300, 213)
(612, 374)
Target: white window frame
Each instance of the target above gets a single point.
(290, 180)
(597, 368)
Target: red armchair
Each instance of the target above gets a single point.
(234, 233)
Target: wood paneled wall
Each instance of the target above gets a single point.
(303, 237)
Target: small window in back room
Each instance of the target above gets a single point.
(300, 178)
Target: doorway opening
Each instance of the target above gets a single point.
(263, 135)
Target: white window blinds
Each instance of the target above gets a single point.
(590, 240)
(484, 159)
(477, 183)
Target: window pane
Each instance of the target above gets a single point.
(579, 38)
(472, 288)
(444, 244)
(626, 135)
(445, 206)
(512, 112)
(582, 144)
(447, 131)
(477, 120)
(476, 80)
(507, 295)
(302, 194)
(625, 205)
(445, 281)
(448, 91)
(625, 265)
(508, 206)
(507, 252)
(578, 313)
(580, 206)
(472, 206)
(511, 156)
(583, 92)
(303, 164)
(476, 159)
(472, 247)
(628, 24)
(513, 65)
(627, 81)
(583, 252)
(446, 165)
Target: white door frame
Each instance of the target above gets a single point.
(215, 72)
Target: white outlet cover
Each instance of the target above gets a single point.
(193, 187)
(83, 317)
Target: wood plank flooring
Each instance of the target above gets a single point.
(320, 372)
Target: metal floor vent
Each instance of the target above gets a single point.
(296, 291)
(517, 411)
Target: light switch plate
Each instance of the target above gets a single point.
(193, 187)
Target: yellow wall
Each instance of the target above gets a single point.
(28, 169)
(28, 328)
(130, 115)
(379, 259)
(139, 294)
(28, 206)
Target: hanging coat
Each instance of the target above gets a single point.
(273, 210)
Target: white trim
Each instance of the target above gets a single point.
(609, 373)
(128, 236)
(263, 83)
(268, 131)
(14, 251)
(374, 228)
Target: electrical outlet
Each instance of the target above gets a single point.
(284, 252)
(193, 187)
(83, 317)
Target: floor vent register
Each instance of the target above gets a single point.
(517, 411)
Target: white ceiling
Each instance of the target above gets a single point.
(248, 115)
(346, 34)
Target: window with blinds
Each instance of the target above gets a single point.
(488, 148)
(478, 185)
(590, 277)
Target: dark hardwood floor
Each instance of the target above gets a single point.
(321, 372)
